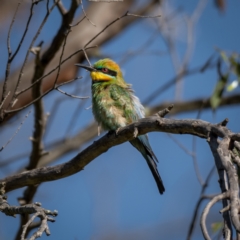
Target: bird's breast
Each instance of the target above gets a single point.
(107, 114)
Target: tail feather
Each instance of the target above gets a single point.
(155, 173)
(143, 146)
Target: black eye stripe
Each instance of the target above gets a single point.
(110, 72)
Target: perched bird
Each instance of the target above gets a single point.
(114, 106)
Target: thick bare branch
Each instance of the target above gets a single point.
(206, 211)
(39, 118)
(189, 126)
(222, 154)
(222, 158)
(64, 146)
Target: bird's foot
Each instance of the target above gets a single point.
(114, 131)
(135, 133)
(117, 131)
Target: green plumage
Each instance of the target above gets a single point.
(112, 106)
(115, 105)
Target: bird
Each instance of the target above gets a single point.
(115, 105)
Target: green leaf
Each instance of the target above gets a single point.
(217, 226)
(232, 85)
(216, 97)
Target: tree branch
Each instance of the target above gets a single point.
(206, 211)
(195, 104)
(155, 123)
(34, 208)
(223, 182)
(223, 161)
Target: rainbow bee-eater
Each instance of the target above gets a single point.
(114, 105)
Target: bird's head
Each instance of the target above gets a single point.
(105, 71)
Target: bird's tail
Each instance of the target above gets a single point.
(143, 146)
(153, 167)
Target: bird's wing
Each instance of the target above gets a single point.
(123, 101)
(139, 109)
(132, 110)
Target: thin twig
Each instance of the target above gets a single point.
(74, 118)
(111, 23)
(194, 150)
(70, 81)
(50, 72)
(86, 56)
(141, 16)
(15, 132)
(60, 7)
(225, 209)
(165, 111)
(7, 71)
(28, 52)
(180, 145)
(86, 14)
(129, 54)
(74, 25)
(56, 106)
(29, 104)
(206, 211)
(87, 108)
(25, 227)
(195, 162)
(4, 100)
(24, 34)
(38, 98)
(10, 29)
(70, 95)
(173, 80)
(201, 198)
(191, 23)
(61, 56)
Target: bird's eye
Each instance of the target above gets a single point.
(105, 70)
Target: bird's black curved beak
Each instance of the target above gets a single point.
(89, 68)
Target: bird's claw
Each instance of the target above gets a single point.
(135, 133)
(116, 132)
(113, 131)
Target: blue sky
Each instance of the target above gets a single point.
(116, 195)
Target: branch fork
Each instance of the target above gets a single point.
(33, 208)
